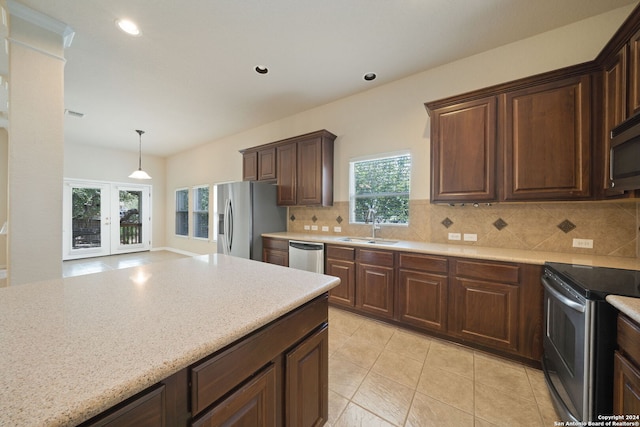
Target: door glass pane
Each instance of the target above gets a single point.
(130, 217)
(86, 218)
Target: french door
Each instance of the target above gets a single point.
(102, 218)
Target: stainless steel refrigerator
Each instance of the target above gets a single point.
(245, 211)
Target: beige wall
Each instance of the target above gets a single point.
(392, 117)
(4, 163)
(83, 162)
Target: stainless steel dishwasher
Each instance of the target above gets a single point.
(307, 256)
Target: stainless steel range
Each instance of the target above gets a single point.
(580, 336)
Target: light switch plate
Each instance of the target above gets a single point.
(455, 236)
(470, 237)
(337, 229)
(325, 228)
(307, 227)
(314, 228)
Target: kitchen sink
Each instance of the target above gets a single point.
(370, 240)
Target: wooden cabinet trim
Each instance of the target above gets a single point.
(629, 338)
(484, 270)
(423, 299)
(420, 262)
(375, 257)
(626, 386)
(267, 164)
(147, 408)
(274, 243)
(340, 252)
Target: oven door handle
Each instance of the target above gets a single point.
(562, 298)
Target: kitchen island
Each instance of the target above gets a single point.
(73, 348)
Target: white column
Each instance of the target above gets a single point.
(36, 145)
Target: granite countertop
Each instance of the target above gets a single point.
(627, 305)
(73, 347)
(470, 251)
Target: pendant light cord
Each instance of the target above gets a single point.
(140, 132)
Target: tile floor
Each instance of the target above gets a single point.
(381, 375)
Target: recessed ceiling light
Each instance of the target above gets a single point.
(128, 27)
(261, 69)
(369, 76)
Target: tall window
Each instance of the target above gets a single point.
(379, 188)
(201, 212)
(182, 212)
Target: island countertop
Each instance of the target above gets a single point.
(74, 347)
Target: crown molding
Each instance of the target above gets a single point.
(41, 20)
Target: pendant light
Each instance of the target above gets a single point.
(140, 174)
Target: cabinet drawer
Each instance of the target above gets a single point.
(218, 375)
(381, 258)
(488, 271)
(629, 338)
(423, 262)
(280, 244)
(147, 409)
(340, 252)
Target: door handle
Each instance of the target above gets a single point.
(562, 298)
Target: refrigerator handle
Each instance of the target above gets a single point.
(225, 227)
(230, 224)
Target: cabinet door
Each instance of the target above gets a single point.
(267, 164)
(423, 299)
(375, 289)
(463, 152)
(310, 172)
(634, 74)
(345, 292)
(626, 387)
(484, 312)
(614, 109)
(546, 137)
(250, 166)
(307, 382)
(275, 256)
(287, 174)
(254, 404)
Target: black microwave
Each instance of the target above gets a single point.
(624, 170)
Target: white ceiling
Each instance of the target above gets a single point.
(190, 79)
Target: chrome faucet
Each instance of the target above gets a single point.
(371, 216)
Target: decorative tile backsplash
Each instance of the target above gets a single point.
(613, 226)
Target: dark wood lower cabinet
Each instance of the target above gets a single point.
(423, 299)
(375, 282)
(275, 376)
(626, 386)
(485, 312)
(252, 405)
(307, 381)
(626, 369)
(340, 262)
(275, 251)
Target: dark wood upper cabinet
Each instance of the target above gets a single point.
(463, 151)
(614, 110)
(286, 155)
(634, 73)
(267, 164)
(302, 165)
(546, 134)
(250, 166)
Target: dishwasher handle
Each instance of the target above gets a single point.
(306, 246)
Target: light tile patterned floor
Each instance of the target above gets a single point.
(381, 375)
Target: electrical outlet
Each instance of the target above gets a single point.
(307, 227)
(583, 243)
(337, 229)
(325, 228)
(470, 237)
(314, 228)
(455, 236)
